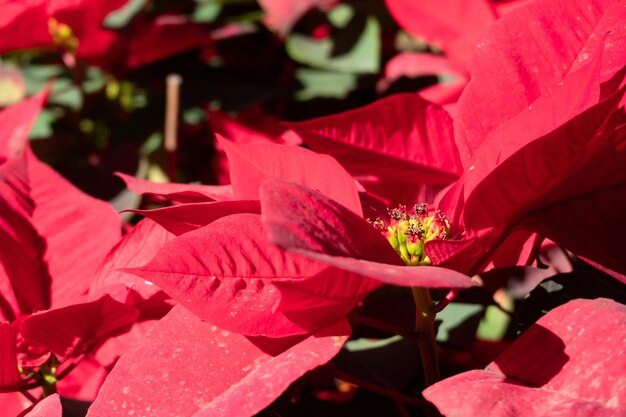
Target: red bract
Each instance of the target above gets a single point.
(50, 250)
(400, 148)
(26, 24)
(48, 407)
(570, 363)
(179, 193)
(550, 153)
(306, 222)
(204, 371)
(507, 59)
(229, 274)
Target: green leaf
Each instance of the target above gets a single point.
(206, 12)
(43, 125)
(459, 323)
(363, 58)
(326, 84)
(341, 15)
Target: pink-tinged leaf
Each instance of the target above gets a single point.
(74, 329)
(187, 217)
(251, 164)
(578, 157)
(307, 223)
(16, 123)
(455, 25)
(528, 53)
(391, 146)
(180, 193)
(135, 249)
(9, 374)
(48, 407)
(570, 363)
(228, 274)
(281, 15)
(78, 235)
(204, 371)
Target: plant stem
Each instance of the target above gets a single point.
(425, 327)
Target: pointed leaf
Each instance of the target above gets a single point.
(305, 222)
(187, 217)
(25, 279)
(203, 371)
(180, 193)
(136, 248)
(570, 363)
(71, 330)
(78, 235)
(228, 273)
(559, 165)
(251, 164)
(529, 60)
(391, 146)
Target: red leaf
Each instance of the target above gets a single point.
(17, 121)
(251, 164)
(17, 28)
(25, 280)
(575, 158)
(307, 223)
(228, 274)
(281, 15)
(9, 374)
(180, 193)
(570, 363)
(596, 216)
(78, 235)
(529, 61)
(391, 146)
(456, 25)
(48, 407)
(172, 33)
(71, 330)
(187, 217)
(135, 249)
(203, 371)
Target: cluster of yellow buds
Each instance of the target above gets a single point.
(407, 233)
(62, 35)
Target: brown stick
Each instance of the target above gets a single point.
(172, 105)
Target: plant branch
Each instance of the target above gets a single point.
(425, 325)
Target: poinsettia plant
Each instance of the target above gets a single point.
(372, 208)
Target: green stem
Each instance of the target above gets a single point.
(425, 327)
